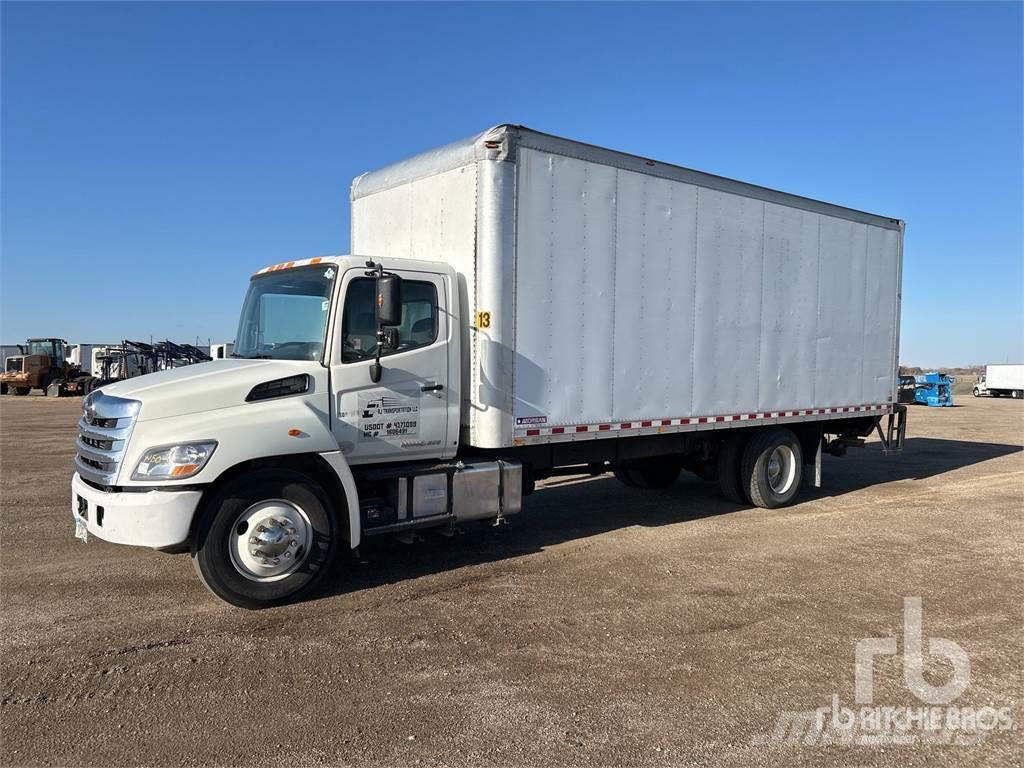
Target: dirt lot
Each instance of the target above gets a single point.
(605, 626)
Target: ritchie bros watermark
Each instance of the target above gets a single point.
(863, 722)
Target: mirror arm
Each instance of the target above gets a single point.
(376, 271)
(375, 369)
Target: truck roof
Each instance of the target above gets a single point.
(502, 141)
(348, 261)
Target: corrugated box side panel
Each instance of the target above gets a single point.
(640, 297)
(726, 336)
(655, 252)
(431, 218)
(842, 272)
(789, 308)
(881, 300)
(565, 278)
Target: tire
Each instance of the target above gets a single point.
(22, 391)
(730, 461)
(301, 529)
(976, 392)
(3, 389)
(1015, 394)
(767, 451)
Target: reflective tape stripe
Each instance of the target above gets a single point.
(691, 421)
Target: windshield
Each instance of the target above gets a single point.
(45, 347)
(285, 314)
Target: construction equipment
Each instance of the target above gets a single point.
(934, 389)
(44, 364)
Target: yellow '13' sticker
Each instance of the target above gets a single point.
(483, 319)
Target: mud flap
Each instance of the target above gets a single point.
(813, 479)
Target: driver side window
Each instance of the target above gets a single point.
(359, 319)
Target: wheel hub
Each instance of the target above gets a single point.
(781, 468)
(270, 540)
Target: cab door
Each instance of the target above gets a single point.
(404, 416)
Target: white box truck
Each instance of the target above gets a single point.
(517, 306)
(221, 351)
(1001, 381)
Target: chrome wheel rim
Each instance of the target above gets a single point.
(270, 540)
(781, 469)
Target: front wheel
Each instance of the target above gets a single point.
(977, 393)
(21, 391)
(772, 468)
(265, 538)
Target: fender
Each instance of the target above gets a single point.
(337, 462)
(247, 431)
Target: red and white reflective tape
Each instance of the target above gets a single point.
(694, 421)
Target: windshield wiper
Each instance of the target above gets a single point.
(252, 357)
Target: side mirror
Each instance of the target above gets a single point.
(389, 300)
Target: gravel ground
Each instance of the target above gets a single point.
(603, 627)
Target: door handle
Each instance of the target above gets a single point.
(432, 388)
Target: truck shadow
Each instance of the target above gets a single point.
(578, 507)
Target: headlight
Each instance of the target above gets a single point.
(172, 462)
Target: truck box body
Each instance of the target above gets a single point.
(1008, 377)
(610, 295)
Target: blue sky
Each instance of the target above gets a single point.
(155, 155)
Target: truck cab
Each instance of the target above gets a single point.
(329, 419)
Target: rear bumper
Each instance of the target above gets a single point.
(158, 519)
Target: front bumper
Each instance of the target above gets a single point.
(157, 519)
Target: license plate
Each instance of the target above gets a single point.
(81, 530)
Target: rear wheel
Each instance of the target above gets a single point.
(22, 391)
(730, 460)
(1015, 394)
(265, 538)
(772, 468)
(3, 389)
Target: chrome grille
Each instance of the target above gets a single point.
(103, 434)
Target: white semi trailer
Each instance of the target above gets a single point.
(1001, 381)
(519, 306)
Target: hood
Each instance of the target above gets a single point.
(204, 386)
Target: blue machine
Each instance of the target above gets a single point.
(934, 389)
